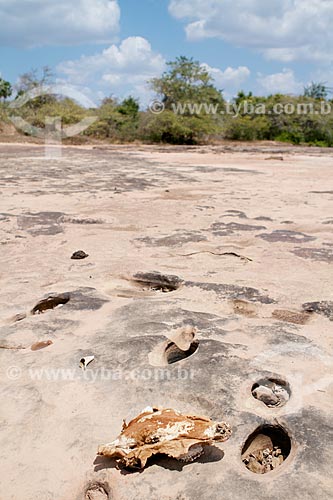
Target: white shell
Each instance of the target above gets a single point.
(84, 362)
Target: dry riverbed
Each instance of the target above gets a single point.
(231, 243)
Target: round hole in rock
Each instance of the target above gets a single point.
(174, 354)
(266, 449)
(50, 303)
(97, 491)
(181, 344)
(272, 392)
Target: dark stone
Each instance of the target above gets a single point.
(79, 255)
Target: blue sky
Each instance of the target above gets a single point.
(110, 47)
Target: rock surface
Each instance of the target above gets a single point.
(182, 212)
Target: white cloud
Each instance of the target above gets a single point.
(118, 70)
(229, 80)
(124, 69)
(284, 30)
(31, 23)
(283, 83)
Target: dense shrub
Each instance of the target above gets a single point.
(187, 93)
(116, 122)
(247, 128)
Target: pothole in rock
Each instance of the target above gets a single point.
(97, 491)
(180, 345)
(173, 353)
(272, 392)
(50, 303)
(157, 282)
(266, 449)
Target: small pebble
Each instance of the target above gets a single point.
(79, 255)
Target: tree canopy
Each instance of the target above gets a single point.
(317, 90)
(6, 89)
(186, 80)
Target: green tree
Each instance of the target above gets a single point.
(317, 90)
(191, 101)
(243, 97)
(38, 80)
(6, 89)
(186, 81)
(129, 107)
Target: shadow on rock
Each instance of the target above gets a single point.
(211, 454)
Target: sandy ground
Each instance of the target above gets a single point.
(248, 231)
